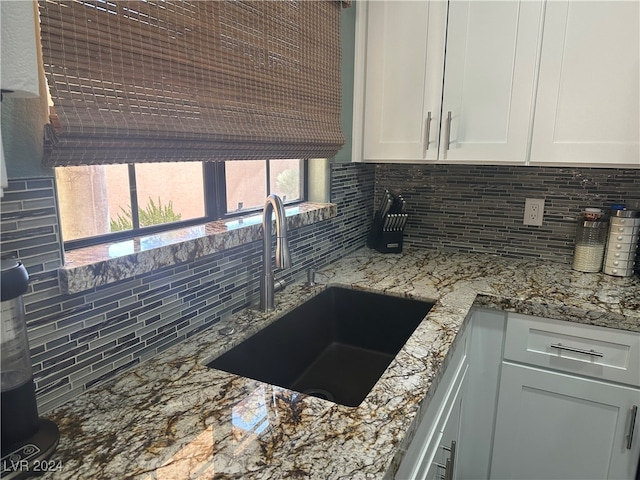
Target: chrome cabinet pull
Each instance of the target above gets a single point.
(449, 471)
(427, 132)
(632, 426)
(448, 468)
(452, 457)
(447, 132)
(591, 352)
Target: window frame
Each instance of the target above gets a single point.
(215, 206)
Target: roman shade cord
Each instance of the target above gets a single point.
(191, 81)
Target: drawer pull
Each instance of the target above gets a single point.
(632, 426)
(591, 352)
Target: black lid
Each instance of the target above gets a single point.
(14, 280)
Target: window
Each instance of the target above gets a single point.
(109, 202)
(140, 90)
(248, 192)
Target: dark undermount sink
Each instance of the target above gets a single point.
(334, 346)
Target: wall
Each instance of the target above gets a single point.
(78, 341)
(22, 134)
(468, 208)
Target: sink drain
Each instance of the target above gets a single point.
(320, 393)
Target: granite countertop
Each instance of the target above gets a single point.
(172, 417)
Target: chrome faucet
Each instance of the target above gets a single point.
(272, 205)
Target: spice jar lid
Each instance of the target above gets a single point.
(592, 213)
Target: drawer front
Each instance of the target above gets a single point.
(597, 352)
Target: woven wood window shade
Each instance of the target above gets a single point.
(153, 81)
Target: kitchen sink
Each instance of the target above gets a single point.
(334, 346)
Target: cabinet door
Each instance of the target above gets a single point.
(403, 56)
(443, 463)
(489, 76)
(439, 459)
(551, 425)
(587, 109)
(450, 441)
(440, 423)
(481, 394)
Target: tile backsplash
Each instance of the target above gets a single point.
(469, 208)
(80, 340)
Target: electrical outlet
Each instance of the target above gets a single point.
(533, 211)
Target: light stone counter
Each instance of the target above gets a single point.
(172, 417)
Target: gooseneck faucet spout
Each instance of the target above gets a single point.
(273, 206)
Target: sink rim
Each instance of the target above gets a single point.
(258, 320)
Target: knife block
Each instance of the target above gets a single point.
(390, 242)
(382, 240)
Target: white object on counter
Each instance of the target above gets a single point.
(591, 236)
(588, 258)
(622, 243)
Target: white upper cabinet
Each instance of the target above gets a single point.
(19, 74)
(588, 107)
(494, 82)
(398, 79)
(489, 81)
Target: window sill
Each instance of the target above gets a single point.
(100, 265)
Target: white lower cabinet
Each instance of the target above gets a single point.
(481, 394)
(567, 402)
(532, 398)
(440, 456)
(433, 451)
(551, 425)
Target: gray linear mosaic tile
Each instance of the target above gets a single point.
(480, 208)
(78, 341)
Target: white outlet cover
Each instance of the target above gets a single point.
(533, 211)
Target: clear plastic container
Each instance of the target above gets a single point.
(591, 240)
(17, 397)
